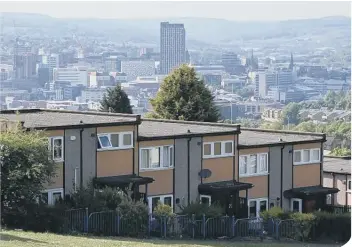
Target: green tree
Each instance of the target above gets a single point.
(116, 100)
(290, 114)
(182, 96)
(25, 169)
(341, 152)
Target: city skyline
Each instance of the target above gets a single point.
(236, 10)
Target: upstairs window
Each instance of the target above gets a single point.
(157, 157)
(306, 156)
(217, 149)
(56, 148)
(122, 140)
(253, 164)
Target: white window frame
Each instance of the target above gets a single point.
(161, 158)
(51, 192)
(311, 160)
(51, 147)
(257, 205)
(120, 134)
(205, 196)
(162, 198)
(248, 168)
(223, 145)
(299, 205)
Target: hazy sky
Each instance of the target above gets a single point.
(234, 10)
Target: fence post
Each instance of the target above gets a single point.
(149, 223)
(204, 226)
(232, 226)
(86, 221)
(277, 223)
(165, 225)
(118, 224)
(193, 224)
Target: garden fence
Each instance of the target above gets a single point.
(111, 223)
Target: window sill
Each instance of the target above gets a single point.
(59, 161)
(114, 149)
(307, 163)
(254, 175)
(218, 156)
(155, 169)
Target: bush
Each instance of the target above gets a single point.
(333, 226)
(275, 213)
(200, 209)
(303, 225)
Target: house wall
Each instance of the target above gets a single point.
(339, 181)
(181, 168)
(57, 180)
(115, 162)
(222, 168)
(164, 181)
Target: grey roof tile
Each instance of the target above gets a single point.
(338, 165)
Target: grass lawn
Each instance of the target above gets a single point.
(30, 239)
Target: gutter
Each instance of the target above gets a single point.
(282, 173)
(81, 157)
(189, 170)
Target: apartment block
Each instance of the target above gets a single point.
(178, 162)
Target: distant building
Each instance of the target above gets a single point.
(99, 79)
(92, 94)
(25, 66)
(230, 61)
(133, 69)
(113, 63)
(53, 62)
(172, 46)
(43, 76)
(145, 51)
(76, 75)
(267, 80)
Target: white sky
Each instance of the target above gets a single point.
(231, 10)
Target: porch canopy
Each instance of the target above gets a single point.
(122, 180)
(223, 187)
(309, 191)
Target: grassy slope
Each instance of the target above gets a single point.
(29, 239)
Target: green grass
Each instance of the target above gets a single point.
(30, 239)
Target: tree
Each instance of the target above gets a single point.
(341, 152)
(25, 168)
(182, 96)
(290, 114)
(116, 100)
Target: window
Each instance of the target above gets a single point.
(296, 205)
(120, 140)
(217, 149)
(297, 157)
(348, 185)
(154, 200)
(253, 164)
(306, 156)
(207, 149)
(52, 196)
(157, 157)
(56, 147)
(205, 199)
(255, 206)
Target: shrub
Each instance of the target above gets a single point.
(200, 209)
(163, 210)
(275, 213)
(333, 226)
(303, 224)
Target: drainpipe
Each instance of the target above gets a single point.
(282, 173)
(189, 170)
(81, 157)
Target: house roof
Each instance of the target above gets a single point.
(257, 137)
(157, 128)
(337, 165)
(43, 118)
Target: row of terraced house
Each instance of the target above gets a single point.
(178, 162)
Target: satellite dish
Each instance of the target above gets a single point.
(204, 173)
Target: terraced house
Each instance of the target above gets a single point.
(177, 162)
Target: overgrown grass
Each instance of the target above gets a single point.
(30, 239)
